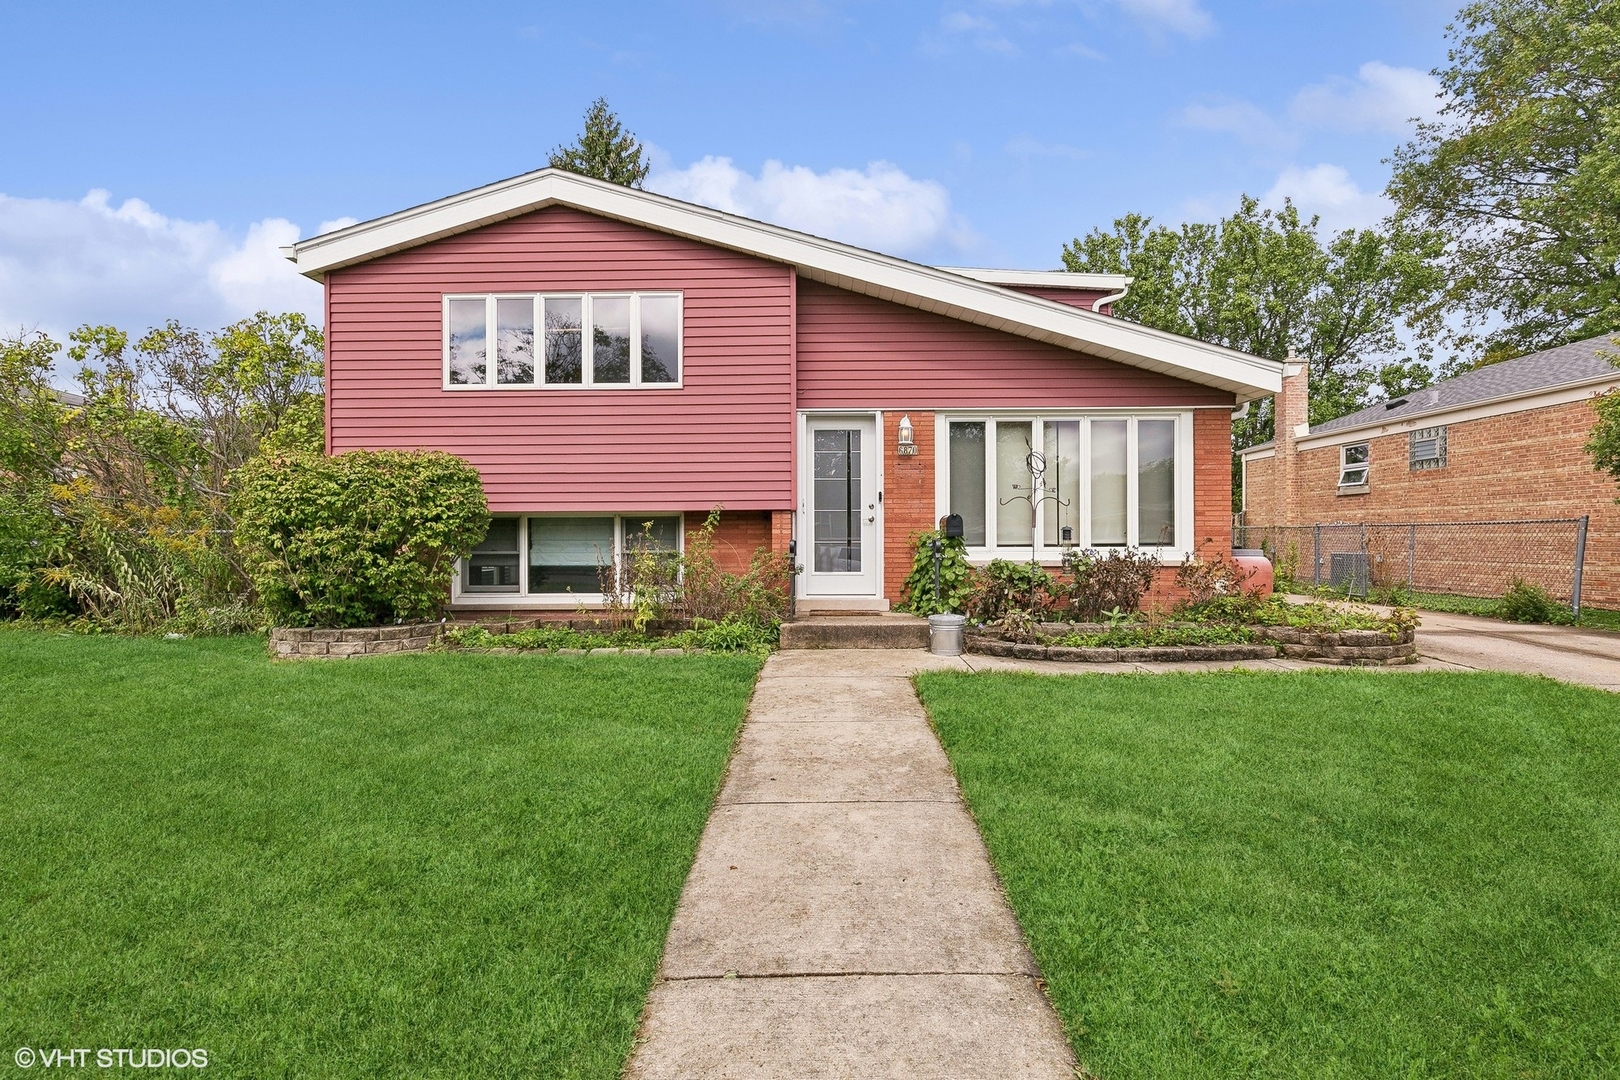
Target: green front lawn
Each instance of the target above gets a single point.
(423, 866)
(1338, 874)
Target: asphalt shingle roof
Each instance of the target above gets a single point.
(1572, 363)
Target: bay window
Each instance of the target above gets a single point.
(1035, 485)
(602, 340)
(561, 557)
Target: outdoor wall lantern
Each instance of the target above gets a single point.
(905, 446)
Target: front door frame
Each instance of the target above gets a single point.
(872, 598)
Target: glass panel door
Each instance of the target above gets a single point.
(840, 546)
(837, 510)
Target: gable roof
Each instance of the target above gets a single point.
(943, 292)
(1566, 365)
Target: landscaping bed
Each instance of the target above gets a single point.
(1229, 629)
(1334, 873)
(448, 864)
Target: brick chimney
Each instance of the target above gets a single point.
(1292, 422)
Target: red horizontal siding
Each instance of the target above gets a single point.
(724, 437)
(857, 352)
(1080, 298)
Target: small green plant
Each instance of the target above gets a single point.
(1529, 603)
(955, 575)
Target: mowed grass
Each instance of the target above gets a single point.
(1329, 875)
(424, 866)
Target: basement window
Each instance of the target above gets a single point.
(1426, 449)
(1354, 468)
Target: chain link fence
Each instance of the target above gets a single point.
(1456, 558)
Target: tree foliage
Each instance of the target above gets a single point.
(1521, 171)
(604, 150)
(358, 539)
(115, 508)
(1263, 282)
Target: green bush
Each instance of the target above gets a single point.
(359, 539)
(955, 575)
(1527, 603)
(1003, 587)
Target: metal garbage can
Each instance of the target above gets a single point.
(945, 634)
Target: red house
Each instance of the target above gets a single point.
(608, 357)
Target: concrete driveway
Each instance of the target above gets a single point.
(1568, 653)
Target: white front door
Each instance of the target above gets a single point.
(840, 549)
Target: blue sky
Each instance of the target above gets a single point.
(156, 156)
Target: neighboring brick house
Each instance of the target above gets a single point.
(1503, 442)
(607, 357)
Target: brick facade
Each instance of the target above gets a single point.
(908, 497)
(1520, 465)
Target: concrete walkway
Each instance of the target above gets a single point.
(1569, 653)
(842, 918)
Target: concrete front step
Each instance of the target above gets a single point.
(886, 631)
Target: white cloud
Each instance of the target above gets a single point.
(980, 31)
(879, 207)
(1382, 99)
(64, 263)
(1185, 17)
(1329, 192)
(1249, 122)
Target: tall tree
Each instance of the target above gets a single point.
(1263, 282)
(604, 150)
(1521, 170)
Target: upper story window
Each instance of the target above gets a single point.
(1037, 485)
(585, 340)
(1426, 449)
(1354, 467)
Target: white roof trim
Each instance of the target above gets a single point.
(1048, 279)
(827, 261)
(1504, 405)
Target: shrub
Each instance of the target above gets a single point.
(1201, 580)
(955, 575)
(1098, 584)
(711, 595)
(654, 586)
(358, 539)
(1004, 587)
(1528, 603)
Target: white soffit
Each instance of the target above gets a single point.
(855, 269)
(1046, 279)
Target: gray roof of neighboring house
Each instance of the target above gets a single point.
(1573, 363)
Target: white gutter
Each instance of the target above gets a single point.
(1101, 300)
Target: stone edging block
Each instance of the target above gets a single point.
(299, 643)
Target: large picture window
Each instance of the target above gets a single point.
(603, 340)
(1037, 485)
(561, 556)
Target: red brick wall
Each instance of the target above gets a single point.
(1526, 464)
(739, 534)
(1212, 482)
(908, 497)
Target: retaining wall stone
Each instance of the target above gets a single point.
(297, 643)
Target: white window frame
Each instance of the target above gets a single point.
(587, 360)
(1346, 466)
(523, 598)
(1172, 554)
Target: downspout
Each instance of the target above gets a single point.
(1097, 305)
